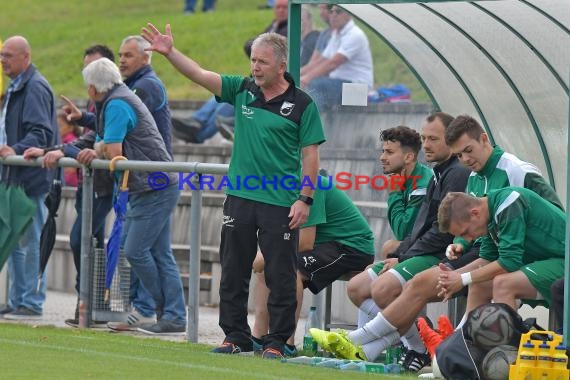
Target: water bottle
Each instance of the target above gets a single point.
(375, 367)
(354, 366)
(544, 358)
(394, 368)
(527, 361)
(309, 345)
(559, 358)
(332, 363)
(393, 354)
(306, 360)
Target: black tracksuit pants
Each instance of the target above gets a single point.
(245, 223)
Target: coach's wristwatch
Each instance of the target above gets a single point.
(306, 199)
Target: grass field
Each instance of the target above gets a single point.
(28, 352)
(59, 31)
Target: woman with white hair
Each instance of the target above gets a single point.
(125, 127)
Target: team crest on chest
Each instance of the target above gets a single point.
(286, 108)
(246, 111)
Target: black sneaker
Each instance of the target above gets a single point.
(272, 353)
(414, 361)
(22, 313)
(163, 327)
(290, 351)
(227, 348)
(5, 310)
(73, 322)
(186, 129)
(225, 126)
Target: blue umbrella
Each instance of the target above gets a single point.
(114, 243)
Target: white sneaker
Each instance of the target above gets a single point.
(133, 322)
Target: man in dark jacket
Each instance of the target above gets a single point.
(28, 119)
(138, 75)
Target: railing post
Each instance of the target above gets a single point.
(85, 301)
(194, 263)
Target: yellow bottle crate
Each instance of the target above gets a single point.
(525, 371)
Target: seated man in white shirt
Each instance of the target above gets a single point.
(347, 59)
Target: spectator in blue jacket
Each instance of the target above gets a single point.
(138, 75)
(28, 119)
(134, 64)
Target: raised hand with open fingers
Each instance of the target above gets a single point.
(161, 43)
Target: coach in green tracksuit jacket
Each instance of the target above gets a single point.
(522, 245)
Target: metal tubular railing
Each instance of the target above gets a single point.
(85, 306)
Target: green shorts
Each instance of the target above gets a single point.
(409, 268)
(542, 274)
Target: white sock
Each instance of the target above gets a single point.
(461, 322)
(373, 349)
(367, 311)
(413, 341)
(376, 328)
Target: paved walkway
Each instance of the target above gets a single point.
(60, 306)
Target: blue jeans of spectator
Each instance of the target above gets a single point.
(208, 5)
(326, 92)
(206, 116)
(101, 207)
(24, 264)
(139, 297)
(148, 249)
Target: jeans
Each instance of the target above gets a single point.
(147, 247)
(139, 297)
(101, 207)
(206, 116)
(208, 5)
(24, 264)
(326, 92)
